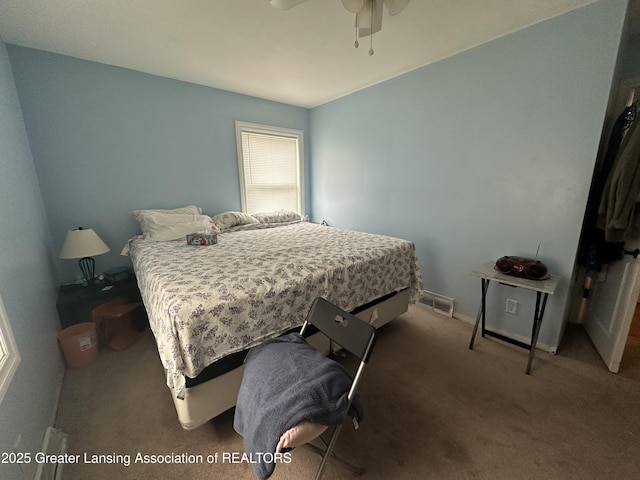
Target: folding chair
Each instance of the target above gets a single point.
(291, 393)
(356, 337)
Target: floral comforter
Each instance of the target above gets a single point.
(205, 302)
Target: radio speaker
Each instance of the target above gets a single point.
(504, 265)
(522, 267)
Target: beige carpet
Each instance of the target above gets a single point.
(434, 410)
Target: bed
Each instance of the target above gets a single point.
(208, 305)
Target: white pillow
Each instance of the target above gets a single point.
(232, 219)
(142, 216)
(163, 227)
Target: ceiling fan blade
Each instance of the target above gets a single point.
(286, 4)
(395, 6)
(354, 6)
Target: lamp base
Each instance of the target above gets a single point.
(88, 268)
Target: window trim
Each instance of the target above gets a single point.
(9, 355)
(246, 127)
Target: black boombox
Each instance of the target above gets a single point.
(522, 267)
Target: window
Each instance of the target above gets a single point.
(9, 357)
(271, 162)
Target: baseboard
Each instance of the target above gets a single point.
(56, 398)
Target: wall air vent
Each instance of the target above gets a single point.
(55, 443)
(436, 302)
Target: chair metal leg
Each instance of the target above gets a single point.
(328, 453)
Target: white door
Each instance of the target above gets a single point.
(613, 298)
(612, 303)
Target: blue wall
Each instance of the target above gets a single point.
(27, 286)
(107, 140)
(484, 154)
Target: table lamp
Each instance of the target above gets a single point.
(84, 243)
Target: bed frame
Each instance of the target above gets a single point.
(207, 400)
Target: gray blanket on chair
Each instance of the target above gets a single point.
(285, 381)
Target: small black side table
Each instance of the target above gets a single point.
(76, 302)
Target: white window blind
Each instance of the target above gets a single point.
(270, 161)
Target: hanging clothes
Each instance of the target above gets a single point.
(595, 250)
(622, 190)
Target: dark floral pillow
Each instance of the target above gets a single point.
(278, 216)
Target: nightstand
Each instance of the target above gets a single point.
(76, 302)
(116, 310)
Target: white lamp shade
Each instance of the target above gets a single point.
(82, 242)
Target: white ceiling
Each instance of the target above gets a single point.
(303, 56)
